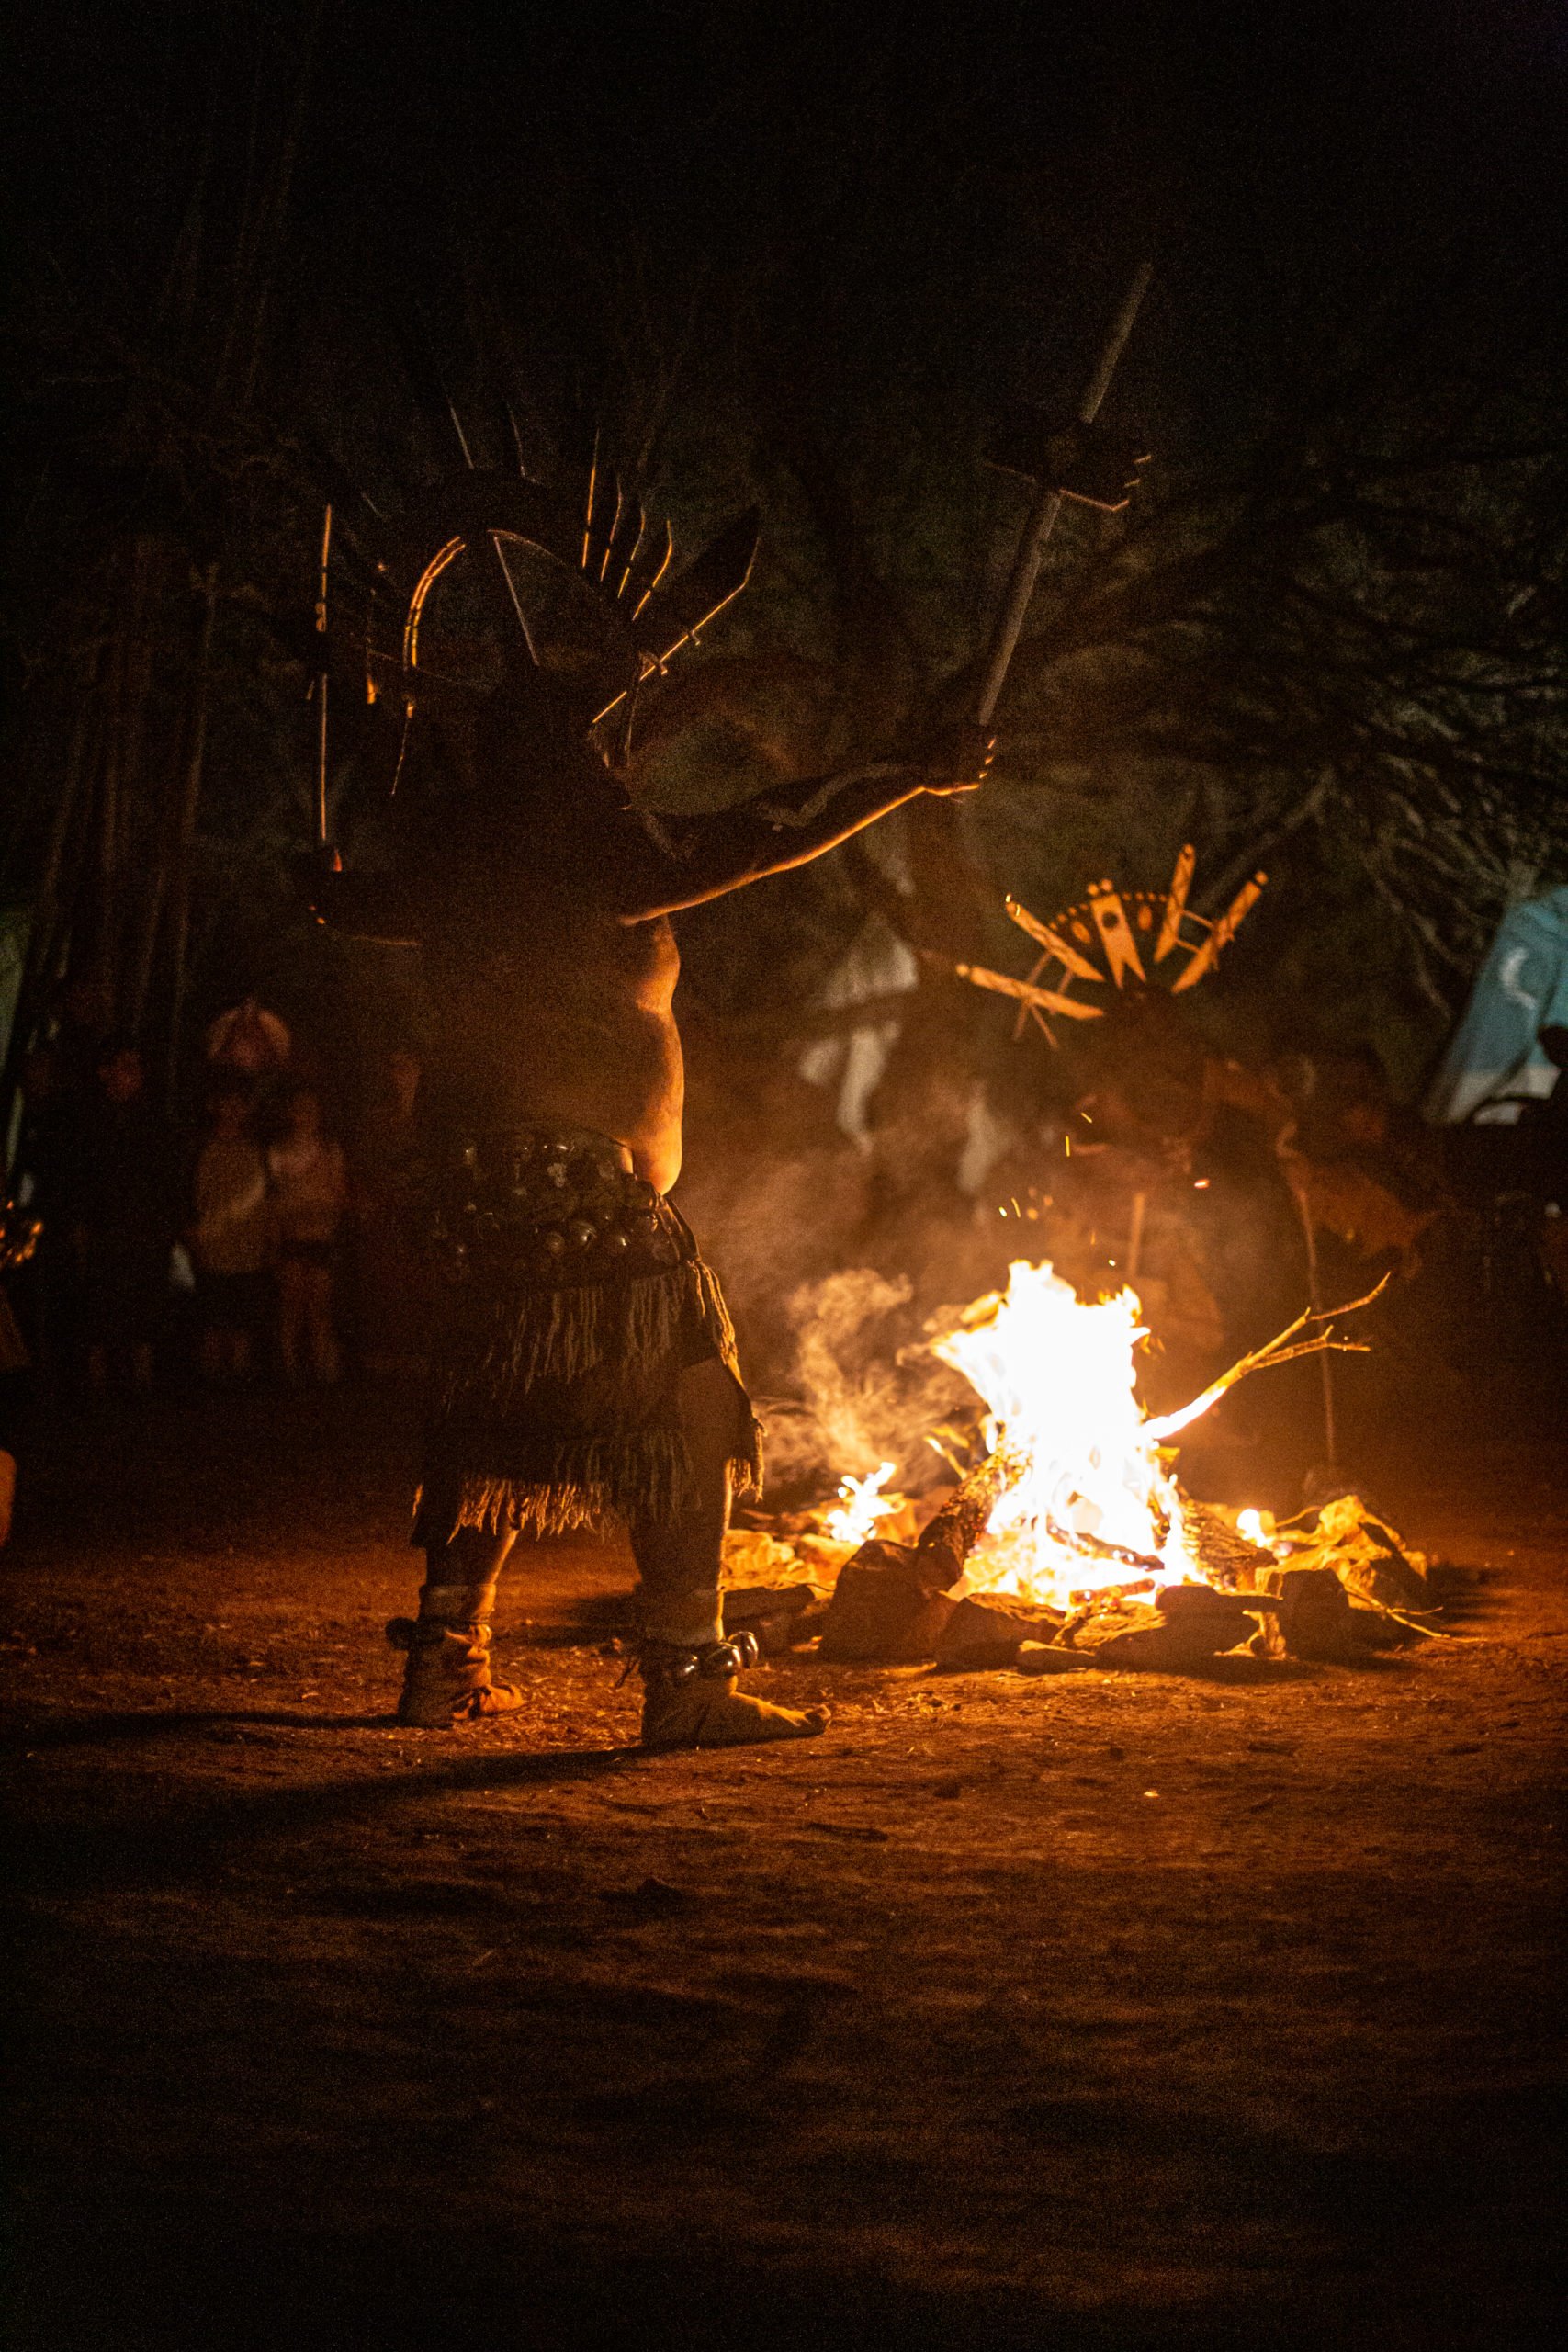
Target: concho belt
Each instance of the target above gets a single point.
(550, 1204)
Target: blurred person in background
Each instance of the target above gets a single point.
(249, 1043)
(231, 1238)
(309, 1188)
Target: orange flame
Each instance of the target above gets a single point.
(1096, 1505)
(861, 1507)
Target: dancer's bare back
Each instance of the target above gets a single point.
(569, 1025)
(549, 951)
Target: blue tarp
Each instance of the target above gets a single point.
(1493, 1058)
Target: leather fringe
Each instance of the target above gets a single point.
(642, 1474)
(566, 1332)
(557, 1481)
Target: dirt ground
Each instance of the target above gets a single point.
(1108, 2010)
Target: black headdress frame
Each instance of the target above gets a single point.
(649, 613)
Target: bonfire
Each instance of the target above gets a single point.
(1093, 1499)
(1070, 1539)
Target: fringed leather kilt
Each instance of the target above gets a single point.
(571, 1299)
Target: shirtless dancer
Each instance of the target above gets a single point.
(585, 1360)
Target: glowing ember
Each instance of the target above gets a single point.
(862, 1506)
(1096, 1504)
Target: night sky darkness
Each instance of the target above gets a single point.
(1328, 140)
(665, 221)
(1006, 158)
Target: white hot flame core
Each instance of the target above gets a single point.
(862, 1506)
(1056, 1375)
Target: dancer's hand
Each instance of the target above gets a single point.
(958, 754)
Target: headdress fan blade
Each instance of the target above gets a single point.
(672, 616)
(631, 524)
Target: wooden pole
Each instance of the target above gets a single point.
(179, 913)
(1048, 505)
(1314, 1292)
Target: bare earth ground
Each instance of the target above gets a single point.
(1104, 2011)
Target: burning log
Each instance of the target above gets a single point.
(949, 1537)
(892, 1601)
(1283, 1349)
(1227, 1557)
(1147, 1566)
(1096, 1598)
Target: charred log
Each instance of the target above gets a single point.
(1225, 1556)
(984, 1634)
(943, 1549)
(1311, 1618)
(884, 1610)
(1187, 1624)
(891, 1601)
